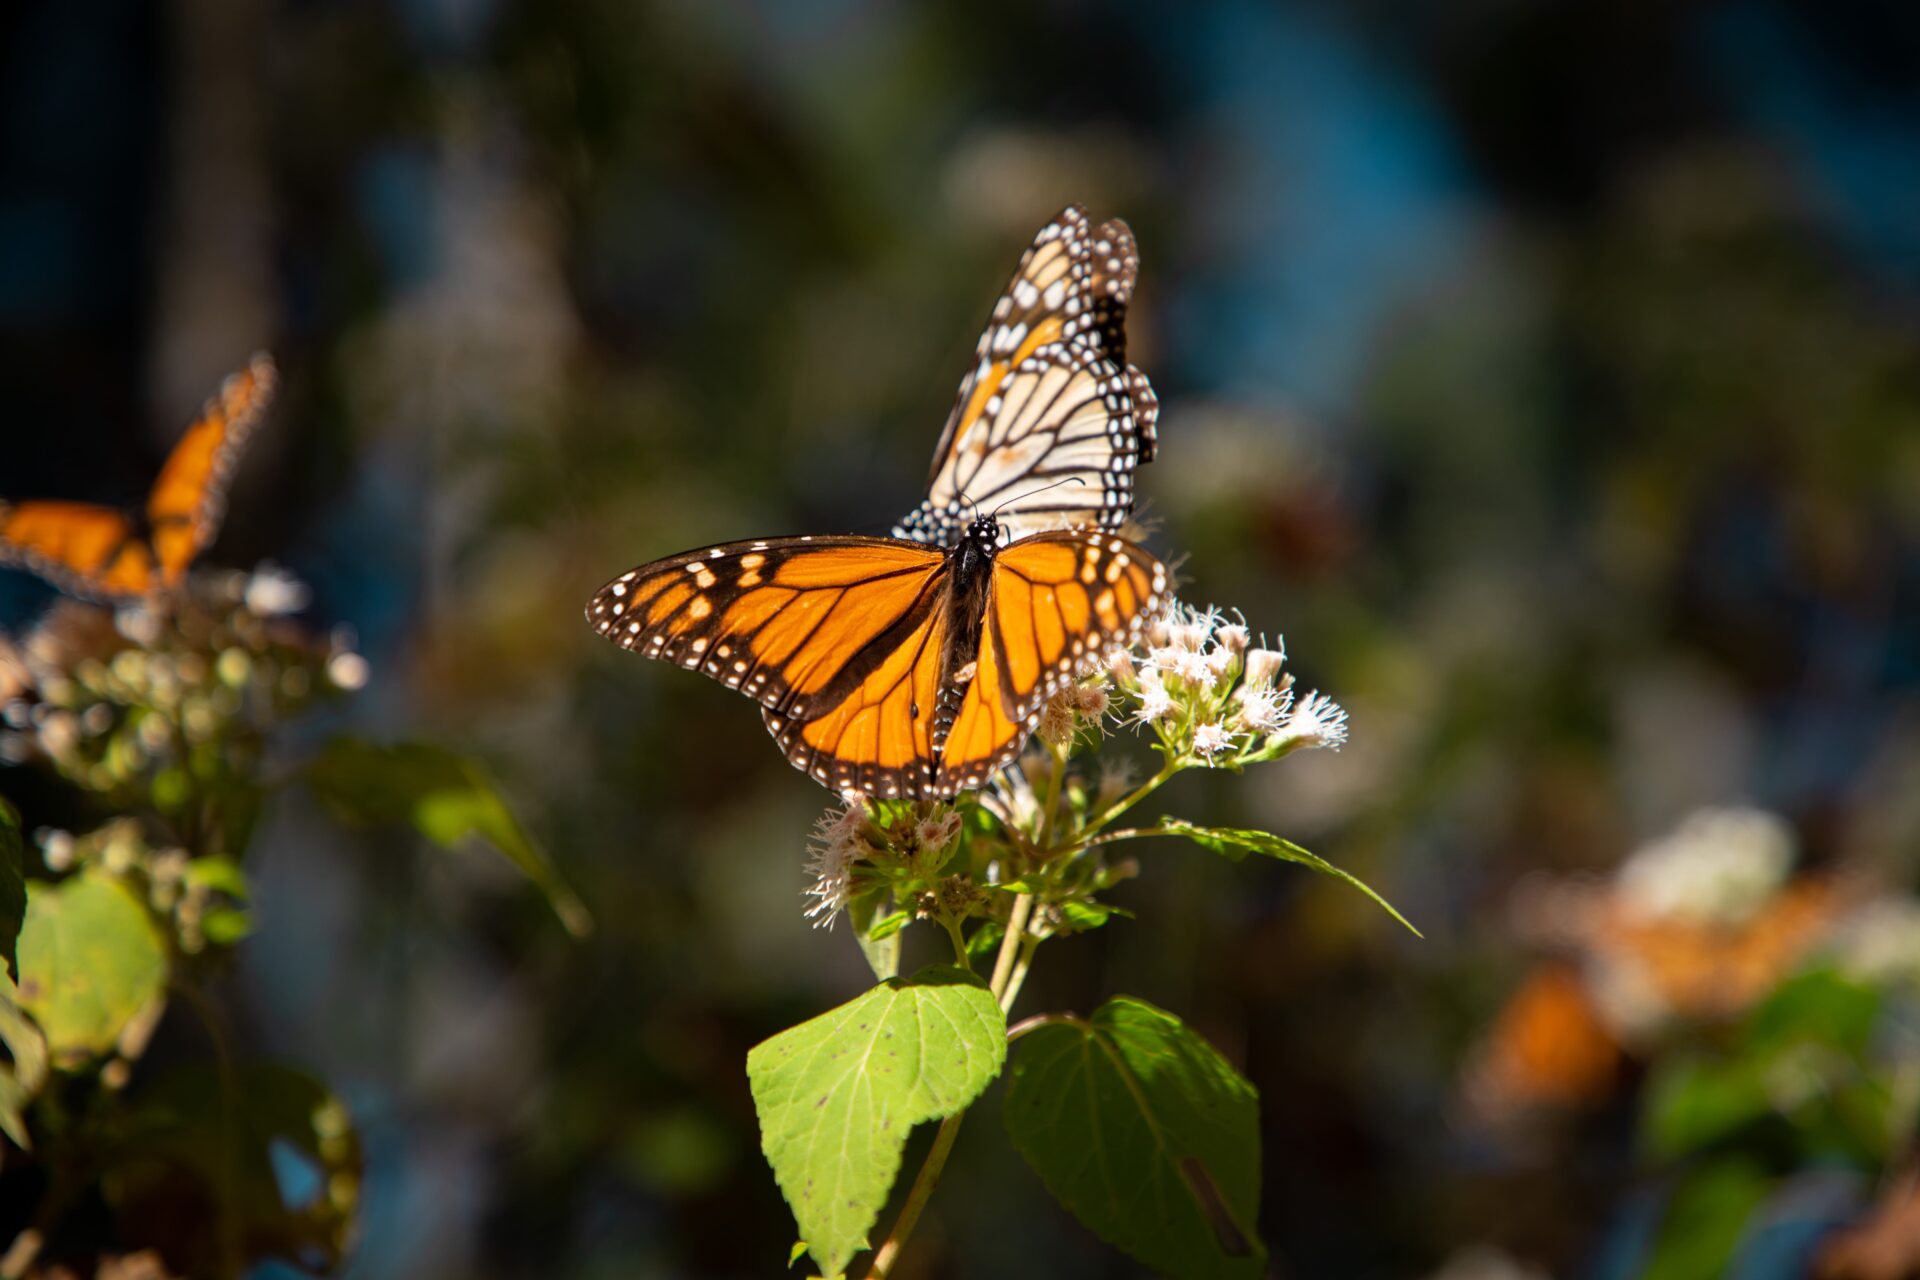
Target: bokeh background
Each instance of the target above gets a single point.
(1545, 372)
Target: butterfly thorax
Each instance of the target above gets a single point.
(968, 584)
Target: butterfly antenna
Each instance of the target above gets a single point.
(1055, 485)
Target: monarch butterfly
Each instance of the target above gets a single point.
(915, 666)
(104, 553)
(1050, 398)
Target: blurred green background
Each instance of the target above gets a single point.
(1544, 372)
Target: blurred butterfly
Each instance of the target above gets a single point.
(916, 666)
(106, 553)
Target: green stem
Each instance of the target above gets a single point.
(1018, 977)
(1004, 968)
(1127, 802)
(1045, 841)
(952, 927)
(917, 1198)
(1010, 942)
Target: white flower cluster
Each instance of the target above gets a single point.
(1718, 867)
(1212, 694)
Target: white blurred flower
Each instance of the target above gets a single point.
(1719, 866)
(1317, 721)
(1881, 943)
(272, 592)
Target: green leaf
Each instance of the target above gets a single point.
(91, 961)
(224, 926)
(1146, 1134)
(796, 1253)
(13, 887)
(985, 940)
(838, 1094)
(1235, 843)
(222, 875)
(1694, 1102)
(1818, 1007)
(447, 797)
(21, 1080)
(882, 953)
(888, 925)
(1078, 917)
(1704, 1221)
(268, 1153)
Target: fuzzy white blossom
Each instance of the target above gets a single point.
(1156, 703)
(838, 841)
(1719, 866)
(1212, 739)
(1317, 721)
(1263, 708)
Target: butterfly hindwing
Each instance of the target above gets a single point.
(1064, 311)
(83, 549)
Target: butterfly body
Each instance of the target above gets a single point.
(109, 553)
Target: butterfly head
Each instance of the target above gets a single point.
(984, 532)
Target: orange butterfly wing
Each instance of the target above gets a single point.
(81, 548)
(189, 497)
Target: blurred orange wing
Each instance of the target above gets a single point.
(82, 549)
(1060, 603)
(188, 500)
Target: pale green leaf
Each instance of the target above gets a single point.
(838, 1094)
(13, 887)
(1236, 843)
(20, 1079)
(1146, 1135)
(91, 961)
(448, 798)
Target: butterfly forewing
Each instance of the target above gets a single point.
(787, 621)
(188, 499)
(1065, 309)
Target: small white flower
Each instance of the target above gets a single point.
(1232, 637)
(1317, 721)
(1212, 739)
(1263, 708)
(933, 834)
(838, 841)
(1189, 666)
(271, 592)
(1263, 665)
(1120, 667)
(1156, 703)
